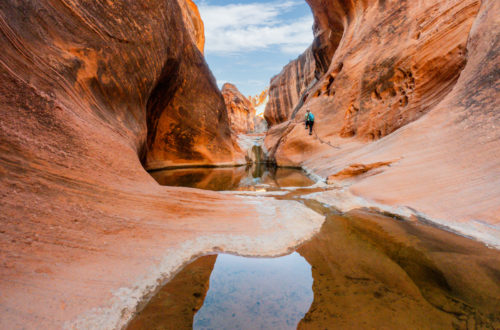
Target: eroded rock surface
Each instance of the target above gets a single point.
(414, 83)
(88, 89)
(194, 23)
(240, 109)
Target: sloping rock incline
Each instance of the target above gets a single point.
(240, 109)
(88, 89)
(416, 85)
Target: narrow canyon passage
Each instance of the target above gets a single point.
(156, 170)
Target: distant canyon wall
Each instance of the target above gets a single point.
(240, 109)
(287, 89)
(411, 83)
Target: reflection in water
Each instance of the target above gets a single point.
(372, 271)
(174, 306)
(253, 177)
(256, 293)
(368, 271)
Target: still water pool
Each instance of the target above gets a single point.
(253, 177)
(262, 292)
(363, 270)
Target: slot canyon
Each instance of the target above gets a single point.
(126, 171)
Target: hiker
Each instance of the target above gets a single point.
(309, 121)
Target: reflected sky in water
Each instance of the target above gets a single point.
(256, 293)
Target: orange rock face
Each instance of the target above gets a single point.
(407, 81)
(88, 89)
(259, 100)
(186, 115)
(395, 62)
(194, 23)
(240, 109)
(288, 89)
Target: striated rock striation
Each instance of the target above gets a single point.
(413, 83)
(287, 90)
(88, 90)
(241, 110)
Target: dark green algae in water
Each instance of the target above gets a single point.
(362, 270)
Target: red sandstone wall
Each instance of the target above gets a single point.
(414, 83)
(288, 88)
(240, 109)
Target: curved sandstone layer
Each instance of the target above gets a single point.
(86, 233)
(240, 109)
(416, 85)
(288, 88)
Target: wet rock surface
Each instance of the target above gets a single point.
(288, 89)
(374, 271)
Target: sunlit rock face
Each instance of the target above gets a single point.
(396, 60)
(88, 89)
(288, 88)
(240, 109)
(413, 84)
(194, 24)
(186, 116)
(259, 102)
(260, 124)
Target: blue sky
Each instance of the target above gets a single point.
(249, 41)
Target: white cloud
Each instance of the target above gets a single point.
(238, 28)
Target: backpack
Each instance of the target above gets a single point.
(311, 116)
